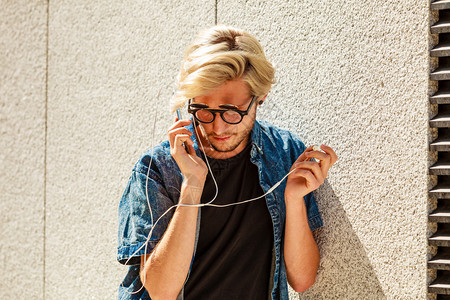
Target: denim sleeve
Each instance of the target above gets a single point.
(137, 221)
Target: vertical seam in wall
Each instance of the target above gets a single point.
(215, 17)
(45, 155)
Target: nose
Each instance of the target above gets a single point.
(219, 125)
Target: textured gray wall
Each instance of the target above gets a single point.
(107, 62)
(23, 38)
(354, 75)
(351, 74)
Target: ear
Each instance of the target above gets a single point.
(261, 101)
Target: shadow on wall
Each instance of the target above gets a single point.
(345, 271)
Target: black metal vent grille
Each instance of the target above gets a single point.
(441, 121)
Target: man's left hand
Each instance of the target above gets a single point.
(309, 174)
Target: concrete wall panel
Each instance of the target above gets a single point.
(354, 75)
(351, 74)
(23, 47)
(107, 62)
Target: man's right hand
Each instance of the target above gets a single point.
(192, 167)
(164, 272)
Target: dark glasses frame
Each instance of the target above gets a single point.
(193, 108)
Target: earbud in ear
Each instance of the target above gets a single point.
(260, 102)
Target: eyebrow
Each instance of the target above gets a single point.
(223, 106)
(205, 106)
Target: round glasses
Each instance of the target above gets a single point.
(229, 113)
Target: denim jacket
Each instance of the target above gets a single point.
(274, 150)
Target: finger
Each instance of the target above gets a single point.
(178, 143)
(325, 166)
(302, 156)
(318, 155)
(311, 181)
(330, 152)
(177, 128)
(179, 123)
(190, 146)
(314, 167)
(180, 130)
(324, 160)
(176, 131)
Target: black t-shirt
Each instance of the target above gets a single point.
(234, 251)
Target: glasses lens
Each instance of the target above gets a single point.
(232, 117)
(204, 115)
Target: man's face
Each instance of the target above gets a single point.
(227, 140)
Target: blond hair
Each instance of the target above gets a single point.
(219, 54)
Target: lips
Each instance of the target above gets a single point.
(221, 138)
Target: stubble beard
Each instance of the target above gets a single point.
(239, 137)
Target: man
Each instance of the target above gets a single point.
(234, 233)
